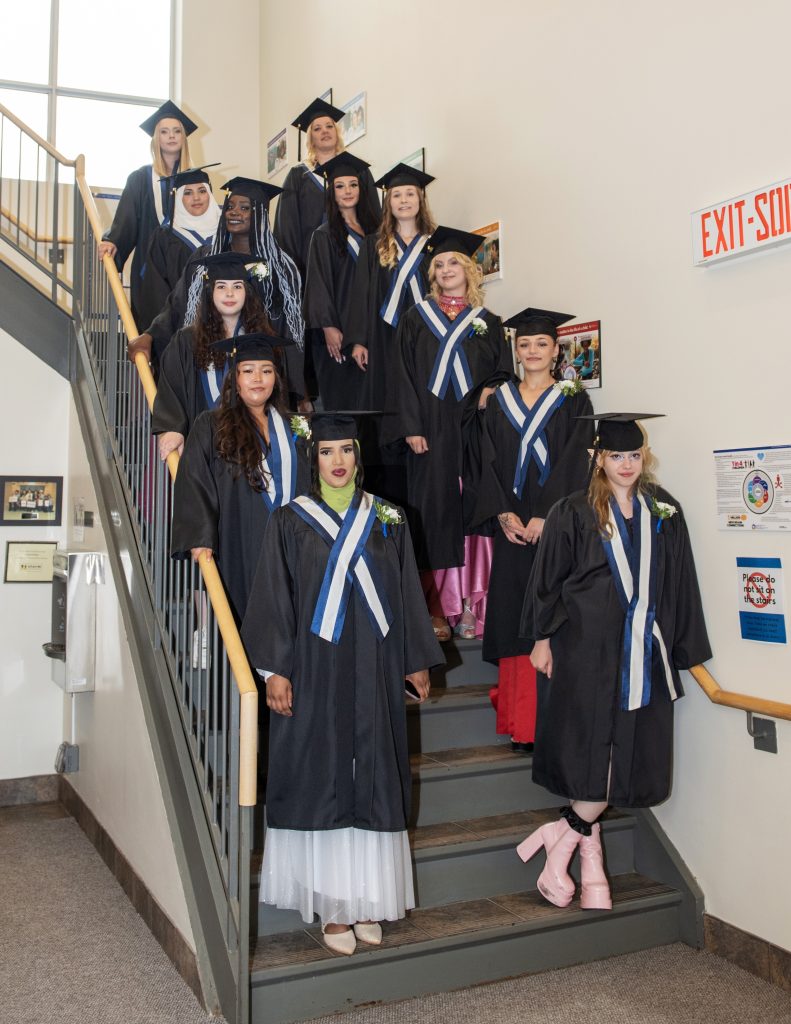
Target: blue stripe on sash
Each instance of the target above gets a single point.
(218, 378)
(530, 424)
(317, 179)
(281, 465)
(190, 238)
(451, 363)
(403, 277)
(353, 242)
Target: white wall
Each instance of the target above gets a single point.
(593, 130)
(34, 403)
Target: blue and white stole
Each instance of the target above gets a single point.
(353, 241)
(405, 276)
(161, 189)
(451, 362)
(280, 466)
(348, 566)
(190, 238)
(317, 179)
(530, 425)
(212, 381)
(633, 563)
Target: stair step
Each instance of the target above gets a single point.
(453, 715)
(295, 977)
(464, 665)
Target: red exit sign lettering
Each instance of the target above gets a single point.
(756, 220)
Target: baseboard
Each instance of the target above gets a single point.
(35, 789)
(162, 928)
(747, 951)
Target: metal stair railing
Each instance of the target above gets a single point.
(193, 626)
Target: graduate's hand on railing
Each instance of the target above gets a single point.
(170, 441)
(278, 695)
(333, 339)
(513, 527)
(421, 682)
(360, 356)
(143, 343)
(541, 658)
(484, 397)
(419, 445)
(107, 249)
(197, 552)
(532, 532)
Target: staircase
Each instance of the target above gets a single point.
(479, 917)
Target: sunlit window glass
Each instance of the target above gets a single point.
(89, 34)
(107, 134)
(24, 41)
(20, 156)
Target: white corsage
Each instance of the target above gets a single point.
(387, 515)
(662, 510)
(570, 387)
(300, 427)
(258, 271)
(479, 326)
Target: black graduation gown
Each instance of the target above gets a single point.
(568, 440)
(180, 395)
(342, 760)
(134, 221)
(572, 599)
(301, 209)
(165, 262)
(171, 317)
(327, 296)
(434, 497)
(214, 508)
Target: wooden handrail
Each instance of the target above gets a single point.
(26, 230)
(37, 138)
(248, 691)
(741, 701)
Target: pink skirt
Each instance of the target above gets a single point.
(447, 589)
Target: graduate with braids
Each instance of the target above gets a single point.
(614, 608)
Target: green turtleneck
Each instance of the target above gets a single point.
(338, 498)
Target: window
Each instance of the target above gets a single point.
(84, 74)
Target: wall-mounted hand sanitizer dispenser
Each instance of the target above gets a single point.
(73, 645)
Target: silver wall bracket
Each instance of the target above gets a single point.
(763, 732)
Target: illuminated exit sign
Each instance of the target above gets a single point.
(756, 220)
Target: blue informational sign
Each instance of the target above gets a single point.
(761, 613)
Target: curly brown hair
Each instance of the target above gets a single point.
(237, 439)
(209, 326)
(599, 492)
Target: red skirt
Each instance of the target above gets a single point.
(514, 699)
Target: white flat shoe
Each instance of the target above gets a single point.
(370, 934)
(341, 942)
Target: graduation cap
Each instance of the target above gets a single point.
(344, 163)
(192, 176)
(317, 108)
(453, 240)
(403, 174)
(255, 191)
(338, 424)
(256, 347)
(618, 431)
(538, 321)
(168, 109)
(226, 266)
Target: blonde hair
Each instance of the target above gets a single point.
(185, 160)
(473, 273)
(599, 491)
(310, 153)
(386, 246)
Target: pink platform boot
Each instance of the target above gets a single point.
(595, 889)
(560, 841)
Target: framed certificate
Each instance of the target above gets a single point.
(29, 561)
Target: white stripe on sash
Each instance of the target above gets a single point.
(530, 424)
(214, 380)
(353, 243)
(281, 475)
(156, 184)
(450, 363)
(406, 275)
(191, 238)
(318, 179)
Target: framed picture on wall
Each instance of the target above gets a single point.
(416, 159)
(277, 154)
(354, 122)
(581, 346)
(31, 500)
(29, 561)
(490, 257)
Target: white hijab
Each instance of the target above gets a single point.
(192, 230)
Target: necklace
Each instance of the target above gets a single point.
(452, 305)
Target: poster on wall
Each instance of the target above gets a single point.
(489, 257)
(760, 587)
(581, 347)
(31, 500)
(277, 154)
(754, 488)
(354, 121)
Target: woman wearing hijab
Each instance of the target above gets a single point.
(143, 204)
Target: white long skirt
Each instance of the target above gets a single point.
(344, 875)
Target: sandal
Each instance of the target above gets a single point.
(466, 627)
(441, 629)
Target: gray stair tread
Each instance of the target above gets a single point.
(444, 696)
(289, 951)
(466, 757)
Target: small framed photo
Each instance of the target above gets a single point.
(489, 256)
(31, 500)
(354, 121)
(277, 154)
(581, 348)
(29, 561)
(416, 159)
